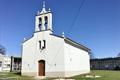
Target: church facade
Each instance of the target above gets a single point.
(50, 55)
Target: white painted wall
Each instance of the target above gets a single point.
(58, 55)
(76, 60)
(53, 54)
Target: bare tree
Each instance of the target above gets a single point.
(2, 50)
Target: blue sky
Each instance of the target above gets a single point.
(97, 26)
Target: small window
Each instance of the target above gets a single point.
(8, 65)
(44, 44)
(39, 44)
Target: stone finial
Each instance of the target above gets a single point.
(49, 10)
(24, 39)
(63, 35)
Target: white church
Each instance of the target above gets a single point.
(50, 55)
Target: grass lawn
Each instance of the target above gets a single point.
(13, 76)
(105, 75)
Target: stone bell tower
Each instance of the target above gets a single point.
(43, 20)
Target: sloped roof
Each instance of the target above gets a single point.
(69, 41)
(74, 43)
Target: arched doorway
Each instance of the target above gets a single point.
(41, 68)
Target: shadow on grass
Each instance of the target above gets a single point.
(17, 73)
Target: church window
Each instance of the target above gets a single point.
(39, 44)
(46, 21)
(44, 44)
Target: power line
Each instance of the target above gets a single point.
(70, 28)
(60, 47)
(76, 16)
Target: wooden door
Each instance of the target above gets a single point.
(41, 68)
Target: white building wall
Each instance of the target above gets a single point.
(76, 61)
(28, 53)
(53, 55)
(1, 61)
(61, 59)
(6, 64)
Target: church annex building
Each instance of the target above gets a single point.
(50, 55)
